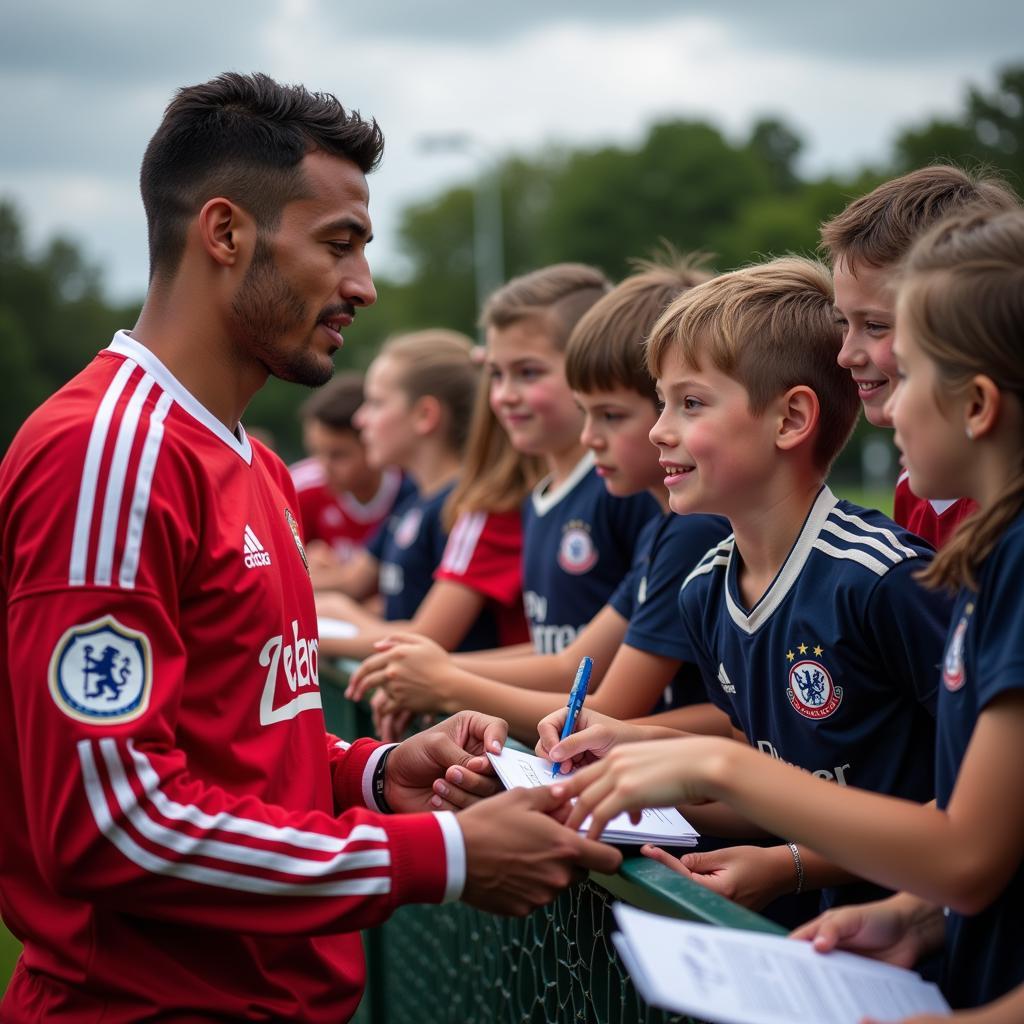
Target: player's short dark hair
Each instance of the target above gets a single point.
(242, 137)
(336, 402)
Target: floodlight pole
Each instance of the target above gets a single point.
(488, 229)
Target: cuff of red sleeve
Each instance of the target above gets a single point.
(353, 774)
(427, 859)
(455, 855)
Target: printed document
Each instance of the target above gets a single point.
(731, 976)
(663, 825)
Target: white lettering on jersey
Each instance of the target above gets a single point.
(255, 553)
(551, 639)
(390, 579)
(297, 663)
(536, 606)
(836, 774)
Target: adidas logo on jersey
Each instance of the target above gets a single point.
(255, 553)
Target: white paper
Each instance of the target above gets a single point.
(335, 629)
(518, 769)
(731, 976)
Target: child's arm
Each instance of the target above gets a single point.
(899, 930)
(599, 640)
(357, 577)
(884, 839)
(752, 876)
(445, 615)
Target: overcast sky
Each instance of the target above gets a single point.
(85, 84)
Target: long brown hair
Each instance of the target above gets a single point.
(962, 299)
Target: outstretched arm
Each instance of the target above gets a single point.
(884, 839)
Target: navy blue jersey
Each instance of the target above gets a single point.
(669, 546)
(408, 548)
(578, 543)
(835, 669)
(984, 659)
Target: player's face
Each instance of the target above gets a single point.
(341, 454)
(616, 428)
(529, 393)
(306, 279)
(715, 455)
(385, 417)
(936, 452)
(865, 307)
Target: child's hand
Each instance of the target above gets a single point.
(752, 876)
(638, 775)
(594, 737)
(898, 930)
(409, 666)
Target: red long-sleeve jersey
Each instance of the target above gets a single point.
(181, 837)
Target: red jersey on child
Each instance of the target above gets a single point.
(485, 553)
(339, 520)
(934, 521)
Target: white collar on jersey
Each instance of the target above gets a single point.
(125, 345)
(545, 500)
(791, 568)
(939, 505)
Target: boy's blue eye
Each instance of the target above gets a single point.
(690, 403)
(876, 328)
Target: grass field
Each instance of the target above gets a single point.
(9, 950)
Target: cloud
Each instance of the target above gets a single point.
(86, 84)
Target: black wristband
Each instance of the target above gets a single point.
(379, 774)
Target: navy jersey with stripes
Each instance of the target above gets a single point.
(835, 668)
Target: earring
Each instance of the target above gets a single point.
(969, 432)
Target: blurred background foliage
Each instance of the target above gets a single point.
(685, 182)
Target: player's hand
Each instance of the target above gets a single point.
(898, 930)
(409, 666)
(594, 737)
(752, 876)
(518, 857)
(633, 776)
(444, 767)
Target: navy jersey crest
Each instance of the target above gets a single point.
(578, 544)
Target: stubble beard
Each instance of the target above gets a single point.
(267, 309)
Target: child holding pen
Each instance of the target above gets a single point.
(807, 624)
(959, 417)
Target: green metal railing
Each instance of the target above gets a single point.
(453, 963)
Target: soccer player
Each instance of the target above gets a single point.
(865, 244)
(182, 839)
(808, 626)
(958, 411)
(342, 498)
(641, 661)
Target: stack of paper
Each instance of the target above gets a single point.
(737, 977)
(662, 825)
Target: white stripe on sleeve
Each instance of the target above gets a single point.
(90, 474)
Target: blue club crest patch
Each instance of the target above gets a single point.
(101, 672)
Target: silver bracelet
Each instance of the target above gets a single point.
(795, 850)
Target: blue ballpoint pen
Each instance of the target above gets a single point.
(577, 695)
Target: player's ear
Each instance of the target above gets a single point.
(798, 413)
(226, 232)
